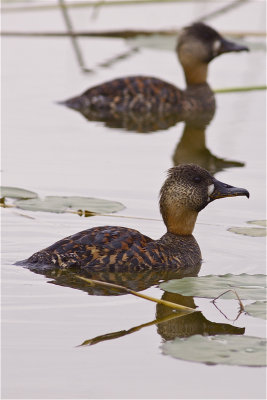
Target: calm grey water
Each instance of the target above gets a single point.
(55, 151)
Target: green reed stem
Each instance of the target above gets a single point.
(175, 306)
(240, 89)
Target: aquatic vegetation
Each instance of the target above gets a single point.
(248, 287)
(251, 231)
(87, 206)
(221, 349)
(16, 193)
(257, 309)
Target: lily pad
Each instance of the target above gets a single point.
(16, 193)
(260, 222)
(254, 232)
(257, 309)
(248, 287)
(221, 349)
(58, 204)
(251, 231)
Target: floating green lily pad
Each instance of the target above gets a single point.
(222, 349)
(254, 232)
(58, 204)
(251, 231)
(260, 222)
(248, 287)
(257, 309)
(16, 193)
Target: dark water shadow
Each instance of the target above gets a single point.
(170, 323)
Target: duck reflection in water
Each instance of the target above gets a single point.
(192, 149)
(190, 324)
(147, 104)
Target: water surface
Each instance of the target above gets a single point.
(55, 151)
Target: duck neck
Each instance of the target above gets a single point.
(180, 221)
(196, 74)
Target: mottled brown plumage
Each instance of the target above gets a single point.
(141, 96)
(119, 249)
(187, 190)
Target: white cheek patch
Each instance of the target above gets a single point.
(210, 190)
(216, 46)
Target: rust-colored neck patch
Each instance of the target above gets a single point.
(180, 221)
(196, 74)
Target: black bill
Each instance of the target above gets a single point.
(227, 46)
(223, 190)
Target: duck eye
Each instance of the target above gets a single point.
(197, 179)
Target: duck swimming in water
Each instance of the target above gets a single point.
(187, 190)
(198, 44)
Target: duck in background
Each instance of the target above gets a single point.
(147, 104)
(187, 190)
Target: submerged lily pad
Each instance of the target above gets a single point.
(251, 231)
(254, 232)
(222, 349)
(60, 204)
(260, 222)
(16, 193)
(257, 309)
(248, 287)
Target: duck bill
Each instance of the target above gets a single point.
(227, 47)
(222, 190)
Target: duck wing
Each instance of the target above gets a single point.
(101, 247)
(135, 93)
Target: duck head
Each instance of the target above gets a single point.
(187, 190)
(198, 44)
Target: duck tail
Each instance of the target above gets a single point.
(76, 103)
